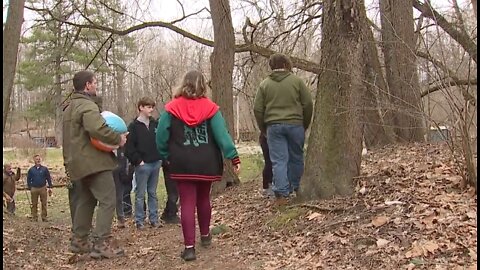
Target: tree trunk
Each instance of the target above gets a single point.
(222, 61)
(378, 120)
(11, 39)
(335, 143)
(120, 91)
(474, 4)
(398, 42)
(58, 87)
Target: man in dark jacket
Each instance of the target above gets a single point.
(283, 109)
(9, 186)
(141, 150)
(90, 169)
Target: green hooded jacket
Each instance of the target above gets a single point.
(82, 120)
(283, 98)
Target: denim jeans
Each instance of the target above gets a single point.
(285, 142)
(146, 177)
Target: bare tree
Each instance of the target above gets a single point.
(398, 43)
(11, 39)
(335, 143)
(222, 60)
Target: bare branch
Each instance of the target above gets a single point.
(266, 52)
(464, 40)
(448, 83)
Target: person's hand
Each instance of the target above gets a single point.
(123, 139)
(141, 163)
(236, 169)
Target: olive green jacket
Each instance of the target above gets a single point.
(82, 120)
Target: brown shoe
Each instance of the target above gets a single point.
(107, 248)
(80, 246)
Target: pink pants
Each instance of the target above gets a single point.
(194, 194)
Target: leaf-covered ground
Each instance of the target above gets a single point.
(408, 212)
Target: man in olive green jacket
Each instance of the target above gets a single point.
(283, 109)
(90, 169)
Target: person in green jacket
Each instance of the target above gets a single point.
(283, 110)
(193, 139)
(90, 169)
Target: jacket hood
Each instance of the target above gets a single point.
(279, 75)
(192, 111)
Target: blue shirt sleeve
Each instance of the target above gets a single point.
(47, 176)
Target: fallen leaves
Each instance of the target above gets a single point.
(382, 242)
(421, 249)
(411, 215)
(314, 215)
(380, 221)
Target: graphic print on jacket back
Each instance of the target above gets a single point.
(196, 135)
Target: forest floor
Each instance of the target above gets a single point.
(408, 212)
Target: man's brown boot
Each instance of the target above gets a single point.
(80, 246)
(107, 248)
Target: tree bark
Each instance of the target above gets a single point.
(378, 119)
(335, 143)
(11, 39)
(120, 94)
(58, 86)
(398, 43)
(222, 61)
(474, 4)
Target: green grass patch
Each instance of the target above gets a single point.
(251, 167)
(285, 217)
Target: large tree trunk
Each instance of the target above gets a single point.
(398, 43)
(222, 61)
(378, 120)
(335, 143)
(11, 39)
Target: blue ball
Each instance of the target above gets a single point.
(115, 122)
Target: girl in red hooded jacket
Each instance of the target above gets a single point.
(191, 137)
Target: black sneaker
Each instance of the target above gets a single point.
(206, 240)
(188, 254)
(140, 227)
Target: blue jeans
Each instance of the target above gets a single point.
(285, 142)
(146, 177)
